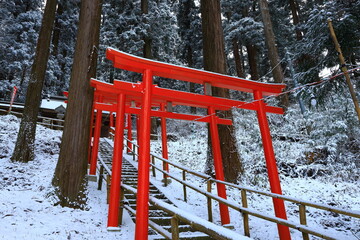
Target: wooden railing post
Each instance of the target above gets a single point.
(245, 215)
(302, 213)
(101, 175)
(209, 203)
(121, 206)
(108, 184)
(184, 187)
(153, 166)
(175, 228)
(134, 152)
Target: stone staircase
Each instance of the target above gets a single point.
(156, 216)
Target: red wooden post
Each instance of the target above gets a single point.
(219, 171)
(138, 130)
(165, 153)
(95, 148)
(272, 170)
(129, 134)
(113, 222)
(142, 205)
(12, 98)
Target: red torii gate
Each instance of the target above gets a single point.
(139, 98)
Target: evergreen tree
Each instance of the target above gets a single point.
(63, 42)
(315, 51)
(20, 23)
(24, 148)
(70, 172)
(189, 25)
(243, 30)
(215, 61)
(121, 29)
(273, 53)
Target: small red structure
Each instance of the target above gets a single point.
(13, 94)
(141, 98)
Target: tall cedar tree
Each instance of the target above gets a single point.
(272, 48)
(188, 20)
(148, 54)
(215, 61)
(70, 172)
(24, 148)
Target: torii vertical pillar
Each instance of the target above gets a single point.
(164, 145)
(142, 201)
(138, 131)
(218, 165)
(95, 147)
(113, 216)
(129, 133)
(272, 170)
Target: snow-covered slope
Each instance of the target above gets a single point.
(329, 176)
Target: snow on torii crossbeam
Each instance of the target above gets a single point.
(139, 98)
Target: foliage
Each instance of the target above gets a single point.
(61, 58)
(20, 22)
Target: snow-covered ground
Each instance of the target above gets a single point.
(26, 211)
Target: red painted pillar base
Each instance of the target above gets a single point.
(113, 216)
(142, 200)
(279, 206)
(95, 148)
(164, 145)
(219, 171)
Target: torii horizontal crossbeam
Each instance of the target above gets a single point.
(162, 95)
(135, 64)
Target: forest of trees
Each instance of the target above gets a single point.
(258, 40)
(173, 28)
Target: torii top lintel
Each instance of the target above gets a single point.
(137, 64)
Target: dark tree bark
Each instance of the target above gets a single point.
(24, 148)
(147, 40)
(70, 173)
(252, 57)
(188, 5)
(252, 53)
(215, 61)
(190, 62)
(238, 59)
(296, 18)
(148, 54)
(57, 28)
(272, 48)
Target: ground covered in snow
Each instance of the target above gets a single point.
(318, 160)
(26, 211)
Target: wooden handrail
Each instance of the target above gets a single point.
(195, 222)
(249, 211)
(244, 209)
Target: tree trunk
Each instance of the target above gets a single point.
(57, 28)
(148, 54)
(272, 48)
(252, 53)
(71, 168)
(296, 19)
(24, 148)
(186, 24)
(215, 61)
(252, 57)
(238, 60)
